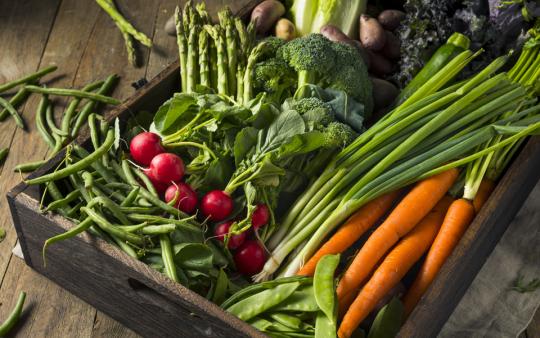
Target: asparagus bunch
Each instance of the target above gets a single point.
(213, 55)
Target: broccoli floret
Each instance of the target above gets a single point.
(274, 44)
(274, 77)
(316, 113)
(350, 75)
(311, 56)
(338, 135)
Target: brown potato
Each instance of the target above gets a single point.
(391, 18)
(372, 33)
(335, 34)
(170, 26)
(380, 65)
(391, 48)
(384, 93)
(285, 29)
(363, 52)
(266, 14)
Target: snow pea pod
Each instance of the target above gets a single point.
(324, 326)
(289, 321)
(255, 288)
(260, 302)
(14, 316)
(323, 285)
(77, 166)
(302, 300)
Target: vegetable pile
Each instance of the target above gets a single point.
(248, 184)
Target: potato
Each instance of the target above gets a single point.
(379, 65)
(335, 34)
(285, 29)
(170, 26)
(372, 33)
(391, 18)
(392, 46)
(384, 93)
(266, 14)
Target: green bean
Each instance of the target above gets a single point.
(89, 106)
(143, 210)
(256, 304)
(71, 212)
(183, 223)
(53, 190)
(130, 197)
(255, 288)
(49, 117)
(13, 112)
(143, 202)
(14, 316)
(87, 179)
(119, 171)
(149, 185)
(77, 166)
(74, 103)
(27, 79)
(75, 180)
(132, 228)
(158, 229)
(148, 195)
(111, 206)
(323, 285)
(79, 228)
(118, 196)
(15, 101)
(104, 172)
(72, 196)
(29, 166)
(119, 185)
(74, 93)
(94, 136)
(3, 154)
(103, 127)
(168, 257)
(40, 124)
(108, 227)
(125, 247)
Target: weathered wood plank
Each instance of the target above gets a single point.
(533, 331)
(18, 57)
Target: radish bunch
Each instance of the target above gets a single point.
(166, 172)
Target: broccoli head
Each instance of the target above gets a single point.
(311, 56)
(316, 113)
(274, 77)
(338, 135)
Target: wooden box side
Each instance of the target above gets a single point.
(479, 240)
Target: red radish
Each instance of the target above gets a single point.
(187, 197)
(159, 186)
(144, 147)
(260, 216)
(167, 168)
(250, 258)
(234, 241)
(217, 205)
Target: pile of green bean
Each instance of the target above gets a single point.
(114, 200)
(293, 306)
(73, 118)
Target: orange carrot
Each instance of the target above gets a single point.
(352, 230)
(457, 219)
(414, 206)
(392, 269)
(484, 191)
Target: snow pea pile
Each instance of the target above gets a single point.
(293, 306)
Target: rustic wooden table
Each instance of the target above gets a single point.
(81, 39)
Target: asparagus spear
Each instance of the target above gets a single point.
(212, 51)
(192, 59)
(204, 59)
(203, 13)
(217, 34)
(124, 25)
(182, 47)
(226, 21)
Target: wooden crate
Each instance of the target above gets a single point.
(152, 305)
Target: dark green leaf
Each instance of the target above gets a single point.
(219, 173)
(347, 109)
(285, 126)
(220, 289)
(193, 256)
(302, 144)
(388, 320)
(180, 107)
(244, 142)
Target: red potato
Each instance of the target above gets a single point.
(285, 29)
(390, 18)
(392, 46)
(372, 33)
(379, 65)
(384, 93)
(266, 14)
(335, 34)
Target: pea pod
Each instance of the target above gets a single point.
(77, 166)
(260, 302)
(323, 285)
(256, 288)
(302, 300)
(324, 326)
(291, 322)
